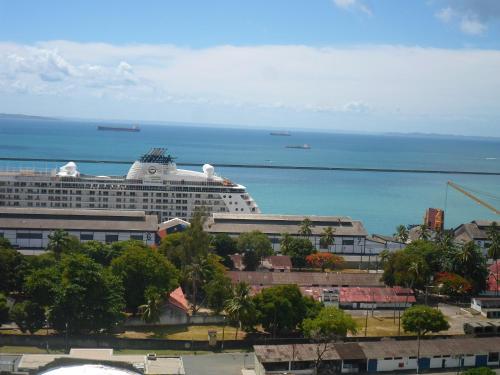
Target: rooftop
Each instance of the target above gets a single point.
(306, 278)
(76, 219)
(376, 350)
(278, 224)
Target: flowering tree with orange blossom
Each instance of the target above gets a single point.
(324, 260)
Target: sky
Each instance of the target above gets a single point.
(430, 66)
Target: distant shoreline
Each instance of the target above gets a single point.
(7, 116)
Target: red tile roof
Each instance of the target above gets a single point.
(493, 284)
(177, 299)
(279, 262)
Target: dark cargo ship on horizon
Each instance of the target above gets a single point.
(119, 128)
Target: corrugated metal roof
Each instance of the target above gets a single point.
(378, 349)
(377, 295)
(306, 278)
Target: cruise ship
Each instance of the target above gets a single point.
(153, 184)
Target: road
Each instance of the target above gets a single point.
(217, 364)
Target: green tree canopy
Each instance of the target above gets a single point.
(330, 324)
(140, 267)
(28, 315)
(13, 268)
(327, 238)
(469, 262)
(282, 308)
(88, 298)
(41, 285)
(422, 319)
(61, 242)
(251, 261)
(298, 249)
(255, 241)
(240, 307)
(401, 234)
(224, 245)
(4, 310)
(104, 253)
(217, 291)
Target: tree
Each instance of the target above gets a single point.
(453, 285)
(172, 247)
(424, 232)
(255, 241)
(4, 310)
(29, 316)
(406, 269)
(305, 229)
(141, 267)
(324, 260)
(41, 285)
(282, 308)
(327, 239)
(104, 253)
(251, 260)
(218, 291)
(240, 306)
(58, 242)
(421, 320)
(469, 262)
(151, 311)
(494, 248)
(13, 268)
(298, 249)
(330, 324)
(224, 245)
(197, 273)
(401, 234)
(88, 298)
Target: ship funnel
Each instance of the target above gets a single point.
(208, 170)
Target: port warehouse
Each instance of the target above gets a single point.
(381, 356)
(349, 235)
(28, 228)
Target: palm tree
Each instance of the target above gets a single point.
(327, 237)
(196, 272)
(494, 248)
(58, 241)
(286, 240)
(239, 305)
(306, 227)
(401, 233)
(151, 311)
(424, 232)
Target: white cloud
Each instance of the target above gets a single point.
(472, 26)
(470, 16)
(243, 83)
(446, 15)
(353, 5)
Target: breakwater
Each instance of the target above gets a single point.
(269, 166)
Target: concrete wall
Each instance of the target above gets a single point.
(174, 316)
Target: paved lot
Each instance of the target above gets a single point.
(217, 364)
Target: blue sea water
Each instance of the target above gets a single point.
(380, 200)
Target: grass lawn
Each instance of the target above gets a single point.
(378, 326)
(182, 332)
(28, 350)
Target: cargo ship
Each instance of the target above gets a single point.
(119, 128)
(281, 133)
(305, 146)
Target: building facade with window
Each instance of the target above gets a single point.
(349, 235)
(29, 228)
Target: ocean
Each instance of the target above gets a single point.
(381, 200)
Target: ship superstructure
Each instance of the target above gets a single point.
(153, 184)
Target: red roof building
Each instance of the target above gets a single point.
(363, 297)
(178, 300)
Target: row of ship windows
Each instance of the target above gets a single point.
(123, 187)
(104, 193)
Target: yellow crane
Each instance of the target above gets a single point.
(462, 190)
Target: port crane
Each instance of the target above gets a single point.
(468, 194)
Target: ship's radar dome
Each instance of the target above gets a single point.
(208, 170)
(68, 170)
